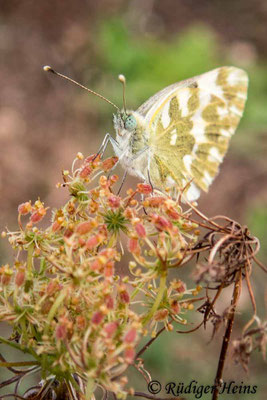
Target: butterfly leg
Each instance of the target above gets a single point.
(125, 172)
(108, 138)
(119, 158)
(142, 200)
(149, 180)
(122, 182)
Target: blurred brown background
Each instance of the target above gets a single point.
(44, 121)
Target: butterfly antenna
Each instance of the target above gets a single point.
(122, 79)
(49, 69)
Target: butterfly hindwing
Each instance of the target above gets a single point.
(190, 124)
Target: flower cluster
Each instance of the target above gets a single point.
(69, 307)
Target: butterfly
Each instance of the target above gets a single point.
(179, 136)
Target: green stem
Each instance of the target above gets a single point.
(50, 316)
(53, 310)
(112, 241)
(69, 378)
(24, 329)
(89, 388)
(29, 262)
(162, 287)
(136, 290)
(18, 347)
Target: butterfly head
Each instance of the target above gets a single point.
(130, 122)
(125, 122)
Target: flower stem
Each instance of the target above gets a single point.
(50, 316)
(162, 287)
(90, 387)
(29, 261)
(19, 347)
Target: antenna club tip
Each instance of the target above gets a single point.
(122, 78)
(47, 68)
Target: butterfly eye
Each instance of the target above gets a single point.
(130, 123)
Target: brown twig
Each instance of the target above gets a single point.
(260, 264)
(192, 330)
(11, 380)
(146, 346)
(145, 374)
(227, 335)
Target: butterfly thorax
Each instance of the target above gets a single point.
(132, 140)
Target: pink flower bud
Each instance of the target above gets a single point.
(110, 328)
(56, 226)
(109, 163)
(24, 208)
(68, 233)
(172, 213)
(109, 302)
(86, 170)
(5, 279)
(175, 307)
(140, 230)
(93, 242)
(129, 355)
(20, 277)
(130, 336)
(81, 242)
(103, 181)
(97, 317)
(109, 269)
(85, 227)
(161, 223)
(53, 287)
(114, 201)
(61, 332)
(129, 213)
(103, 230)
(124, 297)
(38, 215)
(96, 265)
(180, 286)
(113, 179)
(155, 201)
(144, 188)
(133, 246)
(160, 315)
(109, 252)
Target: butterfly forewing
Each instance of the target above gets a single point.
(190, 124)
(147, 108)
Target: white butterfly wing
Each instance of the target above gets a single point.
(157, 98)
(189, 125)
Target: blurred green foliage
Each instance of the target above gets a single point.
(257, 222)
(150, 64)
